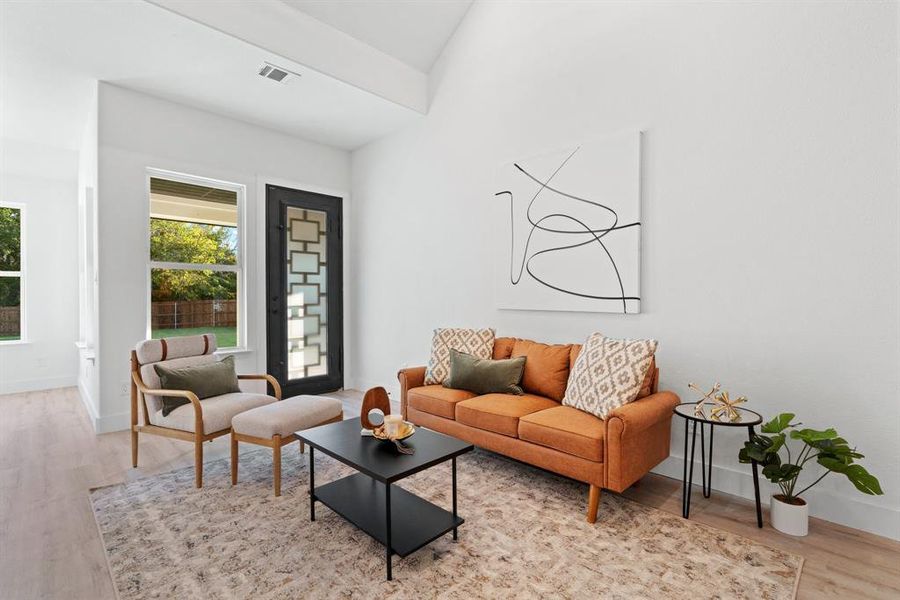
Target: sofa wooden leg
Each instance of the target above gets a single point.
(234, 459)
(593, 503)
(276, 463)
(302, 447)
(198, 462)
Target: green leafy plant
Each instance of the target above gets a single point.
(826, 447)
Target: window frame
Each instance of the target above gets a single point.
(240, 264)
(23, 321)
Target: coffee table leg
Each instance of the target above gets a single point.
(387, 523)
(312, 484)
(455, 535)
(759, 522)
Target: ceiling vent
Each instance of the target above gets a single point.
(270, 71)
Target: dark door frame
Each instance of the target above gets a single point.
(278, 198)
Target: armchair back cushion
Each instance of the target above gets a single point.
(205, 380)
(175, 353)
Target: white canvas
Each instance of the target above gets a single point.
(569, 228)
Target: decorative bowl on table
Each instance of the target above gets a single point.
(406, 430)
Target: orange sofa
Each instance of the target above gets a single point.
(537, 429)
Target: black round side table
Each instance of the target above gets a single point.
(747, 418)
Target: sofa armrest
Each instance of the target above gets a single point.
(410, 378)
(638, 436)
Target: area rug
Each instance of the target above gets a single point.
(524, 537)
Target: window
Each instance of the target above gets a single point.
(12, 266)
(196, 273)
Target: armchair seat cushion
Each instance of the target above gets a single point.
(437, 400)
(217, 412)
(565, 429)
(500, 413)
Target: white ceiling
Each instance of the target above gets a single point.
(412, 31)
(50, 52)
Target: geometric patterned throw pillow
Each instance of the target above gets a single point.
(608, 374)
(477, 342)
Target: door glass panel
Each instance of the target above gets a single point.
(306, 293)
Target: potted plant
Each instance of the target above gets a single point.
(789, 512)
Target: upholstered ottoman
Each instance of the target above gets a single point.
(273, 425)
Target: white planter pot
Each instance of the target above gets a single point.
(792, 519)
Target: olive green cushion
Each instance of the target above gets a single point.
(485, 376)
(211, 379)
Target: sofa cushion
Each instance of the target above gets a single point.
(565, 429)
(546, 367)
(503, 347)
(608, 374)
(217, 412)
(437, 400)
(646, 386)
(477, 342)
(485, 376)
(500, 413)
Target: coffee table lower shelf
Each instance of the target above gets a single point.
(415, 522)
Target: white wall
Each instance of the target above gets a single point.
(43, 178)
(137, 131)
(770, 217)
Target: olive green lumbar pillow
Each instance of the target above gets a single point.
(210, 379)
(485, 376)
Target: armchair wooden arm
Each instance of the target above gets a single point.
(191, 396)
(276, 387)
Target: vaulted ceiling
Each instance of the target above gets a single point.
(362, 65)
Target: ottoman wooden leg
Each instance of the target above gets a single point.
(276, 463)
(234, 459)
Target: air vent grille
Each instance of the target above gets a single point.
(270, 71)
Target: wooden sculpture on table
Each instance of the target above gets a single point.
(375, 405)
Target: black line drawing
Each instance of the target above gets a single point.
(580, 229)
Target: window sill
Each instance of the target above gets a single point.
(227, 351)
(15, 342)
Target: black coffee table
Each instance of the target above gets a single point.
(400, 520)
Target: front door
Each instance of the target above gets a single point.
(304, 291)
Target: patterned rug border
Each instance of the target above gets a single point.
(257, 451)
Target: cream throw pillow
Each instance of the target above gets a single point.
(477, 342)
(608, 374)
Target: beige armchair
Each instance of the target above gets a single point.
(196, 421)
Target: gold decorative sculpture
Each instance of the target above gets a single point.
(707, 396)
(722, 404)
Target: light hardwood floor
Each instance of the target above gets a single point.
(50, 548)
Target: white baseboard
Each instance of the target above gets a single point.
(33, 385)
(115, 422)
(104, 423)
(393, 387)
(852, 512)
(88, 404)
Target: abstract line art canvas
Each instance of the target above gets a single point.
(569, 225)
